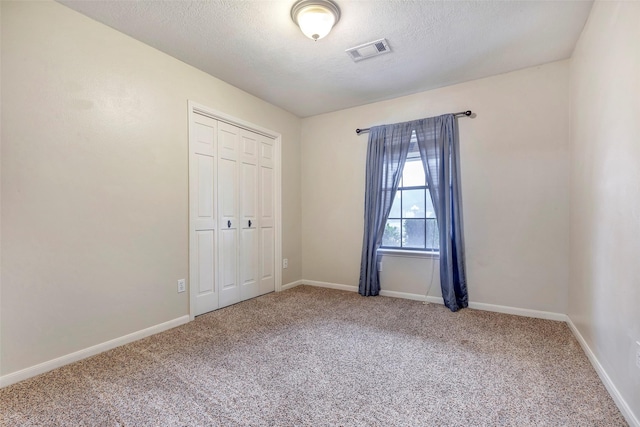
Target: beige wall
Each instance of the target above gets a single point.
(415, 277)
(514, 182)
(604, 291)
(94, 181)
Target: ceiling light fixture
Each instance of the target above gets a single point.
(315, 18)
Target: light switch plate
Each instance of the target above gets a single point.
(182, 285)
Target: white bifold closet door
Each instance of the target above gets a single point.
(228, 208)
(249, 238)
(266, 215)
(246, 223)
(203, 213)
(232, 214)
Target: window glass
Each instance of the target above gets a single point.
(413, 173)
(431, 212)
(395, 207)
(392, 236)
(433, 239)
(413, 203)
(413, 233)
(411, 224)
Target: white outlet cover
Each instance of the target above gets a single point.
(182, 284)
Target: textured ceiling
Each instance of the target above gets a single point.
(254, 45)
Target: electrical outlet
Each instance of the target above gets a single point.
(182, 285)
(638, 354)
(285, 263)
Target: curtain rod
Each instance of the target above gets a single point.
(461, 113)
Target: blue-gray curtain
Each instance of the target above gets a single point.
(386, 155)
(439, 150)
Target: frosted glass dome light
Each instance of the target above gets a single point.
(315, 18)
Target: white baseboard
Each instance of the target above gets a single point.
(291, 285)
(481, 306)
(329, 285)
(41, 368)
(537, 314)
(434, 300)
(414, 297)
(622, 404)
(438, 300)
(404, 295)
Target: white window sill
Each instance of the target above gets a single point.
(408, 254)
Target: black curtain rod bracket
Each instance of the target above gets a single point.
(461, 113)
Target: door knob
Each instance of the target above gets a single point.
(249, 223)
(229, 224)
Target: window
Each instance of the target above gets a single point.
(412, 221)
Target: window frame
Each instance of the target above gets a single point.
(411, 252)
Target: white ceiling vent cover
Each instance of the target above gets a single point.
(369, 50)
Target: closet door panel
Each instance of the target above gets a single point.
(228, 205)
(228, 137)
(249, 263)
(203, 139)
(203, 221)
(228, 192)
(267, 216)
(229, 291)
(267, 153)
(249, 224)
(249, 145)
(248, 192)
(249, 241)
(206, 244)
(267, 260)
(202, 213)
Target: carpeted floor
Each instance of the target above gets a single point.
(320, 357)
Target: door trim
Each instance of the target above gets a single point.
(195, 108)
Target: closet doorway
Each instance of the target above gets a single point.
(234, 210)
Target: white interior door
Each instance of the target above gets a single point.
(228, 143)
(249, 225)
(202, 213)
(266, 209)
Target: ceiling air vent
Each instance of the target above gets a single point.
(369, 50)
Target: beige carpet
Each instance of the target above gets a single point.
(319, 357)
